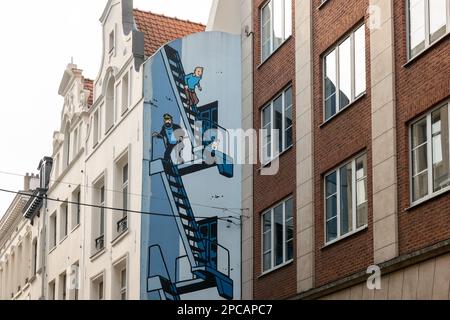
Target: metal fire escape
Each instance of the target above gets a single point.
(203, 252)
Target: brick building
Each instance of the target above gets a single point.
(368, 86)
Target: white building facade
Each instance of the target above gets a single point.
(84, 243)
(20, 260)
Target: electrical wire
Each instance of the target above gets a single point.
(70, 184)
(103, 207)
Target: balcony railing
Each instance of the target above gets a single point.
(122, 225)
(100, 243)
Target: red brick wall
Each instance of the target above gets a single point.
(270, 78)
(420, 86)
(339, 140)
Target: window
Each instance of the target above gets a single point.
(66, 154)
(121, 198)
(430, 164)
(80, 137)
(117, 102)
(53, 227)
(122, 225)
(98, 216)
(75, 143)
(63, 286)
(110, 105)
(98, 288)
(96, 133)
(428, 22)
(57, 158)
(101, 290)
(34, 257)
(346, 199)
(76, 208)
(277, 121)
(52, 290)
(345, 73)
(123, 284)
(102, 212)
(119, 280)
(64, 220)
(125, 190)
(276, 25)
(278, 235)
(112, 41)
(125, 93)
(74, 281)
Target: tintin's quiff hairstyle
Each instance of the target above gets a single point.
(199, 68)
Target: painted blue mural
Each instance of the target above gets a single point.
(191, 247)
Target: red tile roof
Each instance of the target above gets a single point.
(89, 85)
(159, 29)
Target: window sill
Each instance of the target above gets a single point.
(109, 130)
(26, 286)
(120, 237)
(51, 250)
(98, 254)
(425, 51)
(263, 166)
(322, 4)
(360, 97)
(32, 279)
(76, 228)
(281, 266)
(428, 199)
(273, 52)
(124, 112)
(348, 235)
(63, 239)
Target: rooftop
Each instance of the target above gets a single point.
(159, 29)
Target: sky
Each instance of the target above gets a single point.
(39, 39)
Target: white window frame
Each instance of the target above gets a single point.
(126, 184)
(124, 108)
(76, 208)
(102, 204)
(101, 293)
(80, 137)
(337, 170)
(63, 286)
(75, 142)
(112, 42)
(53, 235)
(283, 20)
(274, 153)
(64, 221)
(353, 96)
(97, 185)
(117, 103)
(124, 290)
(96, 119)
(431, 193)
(52, 290)
(272, 230)
(428, 42)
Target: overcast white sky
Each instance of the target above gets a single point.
(38, 40)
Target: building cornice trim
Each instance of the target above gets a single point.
(387, 267)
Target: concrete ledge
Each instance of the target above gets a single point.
(387, 267)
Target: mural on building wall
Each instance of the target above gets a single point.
(191, 245)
